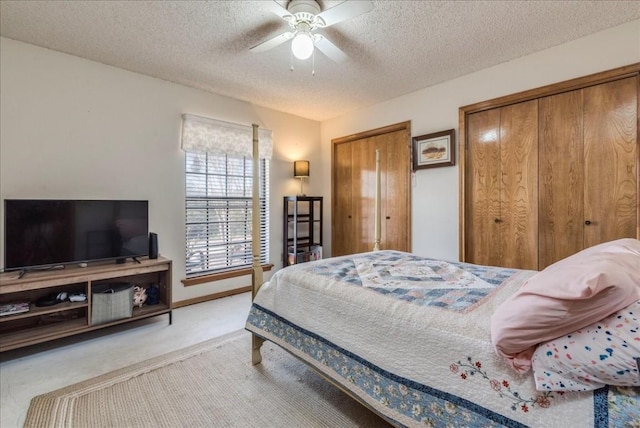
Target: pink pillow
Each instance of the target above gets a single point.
(570, 294)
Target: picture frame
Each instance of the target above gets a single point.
(434, 150)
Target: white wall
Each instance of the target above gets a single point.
(77, 129)
(435, 192)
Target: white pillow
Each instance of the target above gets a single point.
(605, 352)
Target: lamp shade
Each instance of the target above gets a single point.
(301, 168)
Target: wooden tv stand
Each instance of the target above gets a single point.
(41, 324)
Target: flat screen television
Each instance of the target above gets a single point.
(41, 233)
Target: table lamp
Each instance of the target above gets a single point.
(301, 170)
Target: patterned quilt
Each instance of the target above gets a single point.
(410, 337)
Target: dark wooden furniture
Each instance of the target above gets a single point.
(302, 234)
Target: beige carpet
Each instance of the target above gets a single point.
(212, 384)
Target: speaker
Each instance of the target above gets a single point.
(153, 245)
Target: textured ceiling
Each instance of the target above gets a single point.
(398, 48)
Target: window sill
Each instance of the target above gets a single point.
(222, 275)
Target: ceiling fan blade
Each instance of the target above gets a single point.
(330, 50)
(347, 10)
(272, 43)
(274, 7)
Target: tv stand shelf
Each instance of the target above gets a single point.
(41, 324)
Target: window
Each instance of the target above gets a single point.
(219, 212)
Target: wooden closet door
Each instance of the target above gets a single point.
(395, 150)
(482, 215)
(519, 185)
(611, 161)
(363, 191)
(354, 175)
(502, 193)
(342, 215)
(588, 170)
(561, 177)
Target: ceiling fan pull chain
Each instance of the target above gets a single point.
(291, 59)
(313, 63)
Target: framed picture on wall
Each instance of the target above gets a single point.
(434, 150)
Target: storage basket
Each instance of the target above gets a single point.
(111, 302)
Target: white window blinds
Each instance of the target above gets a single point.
(219, 201)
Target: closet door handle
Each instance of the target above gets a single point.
(388, 218)
(497, 220)
(587, 222)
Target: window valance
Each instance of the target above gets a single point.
(202, 134)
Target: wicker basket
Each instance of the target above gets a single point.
(111, 302)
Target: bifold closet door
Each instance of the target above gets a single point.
(482, 193)
(342, 214)
(519, 185)
(395, 161)
(561, 215)
(611, 161)
(501, 188)
(363, 185)
(354, 184)
(588, 168)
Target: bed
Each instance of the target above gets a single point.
(410, 338)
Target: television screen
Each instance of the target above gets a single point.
(40, 233)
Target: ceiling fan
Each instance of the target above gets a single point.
(304, 17)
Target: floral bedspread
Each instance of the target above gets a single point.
(410, 337)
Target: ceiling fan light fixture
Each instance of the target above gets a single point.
(302, 45)
(304, 17)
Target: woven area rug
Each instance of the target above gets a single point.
(211, 384)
